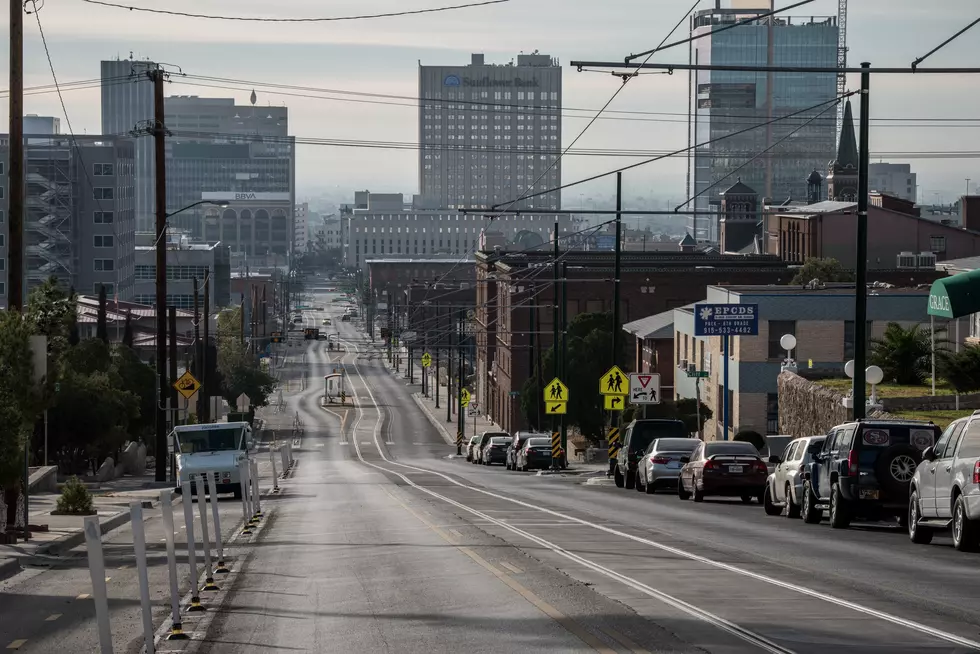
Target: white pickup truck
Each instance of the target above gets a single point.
(217, 448)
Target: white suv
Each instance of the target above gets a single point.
(784, 488)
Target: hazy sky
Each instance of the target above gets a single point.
(381, 56)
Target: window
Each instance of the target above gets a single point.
(3, 265)
(104, 193)
(950, 434)
(3, 240)
(772, 413)
(3, 288)
(3, 216)
(1, 192)
(110, 289)
(849, 339)
(937, 243)
(102, 241)
(1, 167)
(777, 329)
(103, 169)
(103, 217)
(104, 265)
(970, 447)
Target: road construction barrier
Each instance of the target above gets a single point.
(96, 568)
(139, 548)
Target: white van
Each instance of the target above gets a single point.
(217, 448)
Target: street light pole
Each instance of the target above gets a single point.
(159, 137)
(861, 262)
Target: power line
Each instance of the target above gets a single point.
(327, 19)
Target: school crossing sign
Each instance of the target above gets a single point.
(555, 398)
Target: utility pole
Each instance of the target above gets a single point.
(159, 138)
(861, 264)
(425, 348)
(534, 366)
(555, 315)
(205, 382)
(460, 414)
(616, 275)
(172, 401)
(15, 165)
(449, 366)
(563, 369)
(198, 346)
(438, 343)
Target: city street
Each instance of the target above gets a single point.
(385, 541)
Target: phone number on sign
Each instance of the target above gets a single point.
(728, 330)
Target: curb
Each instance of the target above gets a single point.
(9, 568)
(435, 423)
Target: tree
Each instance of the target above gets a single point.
(824, 270)
(903, 354)
(127, 338)
(139, 379)
(961, 369)
(237, 367)
(750, 436)
(102, 326)
(54, 314)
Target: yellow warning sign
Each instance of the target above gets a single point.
(555, 391)
(464, 398)
(614, 382)
(556, 408)
(426, 360)
(614, 402)
(187, 385)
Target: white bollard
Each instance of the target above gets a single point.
(167, 508)
(96, 568)
(185, 489)
(255, 489)
(275, 474)
(213, 492)
(139, 547)
(284, 455)
(243, 469)
(289, 451)
(202, 505)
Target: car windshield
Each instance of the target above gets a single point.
(539, 441)
(644, 432)
(500, 440)
(210, 440)
(723, 447)
(674, 445)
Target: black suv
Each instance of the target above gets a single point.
(636, 438)
(864, 471)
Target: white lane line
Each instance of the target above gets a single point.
(830, 599)
(717, 621)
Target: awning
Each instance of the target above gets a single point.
(955, 296)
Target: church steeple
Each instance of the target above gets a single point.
(842, 174)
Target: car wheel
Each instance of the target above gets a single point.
(839, 517)
(681, 493)
(630, 479)
(917, 534)
(640, 487)
(966, 537)
(771, 509)
(698, 493)
(808, 506)
(618, 478)
(524, 469)
(238, 493)
(651, 487)
(792, 508)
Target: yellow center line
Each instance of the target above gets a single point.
(108, 579)
(570, 625)
(512, 568)
(17, 644)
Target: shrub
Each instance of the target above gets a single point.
(753, 437)
(75, 498)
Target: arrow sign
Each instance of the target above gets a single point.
(614, 402)
(644, 388)
(556, 408)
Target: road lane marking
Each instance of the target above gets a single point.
(571, 626)
(887, 617)
(52, 617)
(624, 641)
(83, 596)
(456, 534)
(512, 568)
(108, 579)
(17, 644)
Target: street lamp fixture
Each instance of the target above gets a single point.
(788, 343)
(872, 375)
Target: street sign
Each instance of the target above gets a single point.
(464, 398)
(514, 394)
(614, 402)
(470, 314)
(555, 391)
(187, 385)
(556, 408)
(613, 382)
(244, 402)
(426, 360)
(698, 374)
(644, 388)
(277, 337)
(726, 319)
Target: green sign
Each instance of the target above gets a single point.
(956, 296)
(699, 374)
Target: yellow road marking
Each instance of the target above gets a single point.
(17, 644)
(83, 596)
(512, 568)
(108, 579)
(52, 617)
(570, 625)
(624, 641)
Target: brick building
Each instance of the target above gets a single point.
(390, 277)
(514, 296)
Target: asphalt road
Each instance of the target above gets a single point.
(385, 542)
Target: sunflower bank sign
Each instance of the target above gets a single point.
(726, 320)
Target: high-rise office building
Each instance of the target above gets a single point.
(725, 102)
(895, 179)
(127, 103)
(491, 133)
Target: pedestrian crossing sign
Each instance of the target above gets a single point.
(556, 408)
(464, 398)
(426, 360)
(555, 391)
(614, 382)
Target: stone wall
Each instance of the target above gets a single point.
(808, 409)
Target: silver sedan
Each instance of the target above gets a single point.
(661, 463)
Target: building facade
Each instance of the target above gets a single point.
(253, 224)
(186, 261)
(79, 224)
(725, 102)
(491, 133)
(894, 179)
(127, 105)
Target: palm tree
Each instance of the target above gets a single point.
(903, 353)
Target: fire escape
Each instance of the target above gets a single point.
(48, 224)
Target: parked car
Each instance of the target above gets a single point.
(536, 453)
(636, 438)
(471, 447)
(864, 470)
(724, 468)
(784, 488)
(482, 444)
(495, 451)
(775, 446)
(661, 463)
(520, 438)
(945, 492)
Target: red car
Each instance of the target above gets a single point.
(723, 468)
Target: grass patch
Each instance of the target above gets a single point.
(842, 386)
(942, 417)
